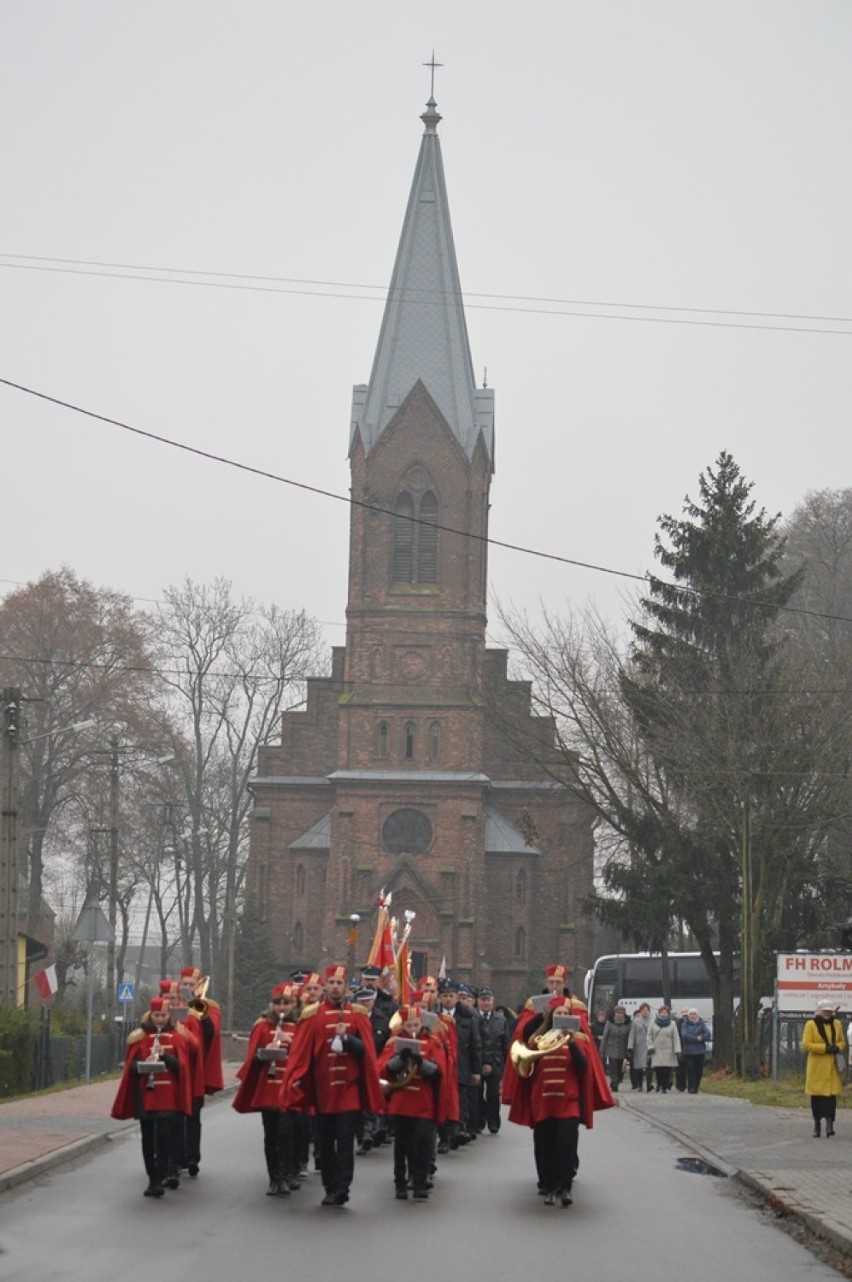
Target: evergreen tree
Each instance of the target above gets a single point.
(255, 969)
(706, 687)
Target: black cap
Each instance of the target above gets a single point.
(371, 972)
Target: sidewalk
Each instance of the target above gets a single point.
(770, 1150)
(42, 1131)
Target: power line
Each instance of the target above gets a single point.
(194, 450)
(328, 289)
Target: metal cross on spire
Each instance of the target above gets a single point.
(433, 64)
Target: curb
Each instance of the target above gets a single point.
(80, 1148)
(816, 1224)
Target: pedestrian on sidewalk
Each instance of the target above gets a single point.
(825, 1044)
(664, 1048)
(694, 1036)
(613, 1047)
(637, 1048)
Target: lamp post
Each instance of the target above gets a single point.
(354, 919)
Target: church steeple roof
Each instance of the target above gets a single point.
(424, 332)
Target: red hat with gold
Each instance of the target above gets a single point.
(168, 988)
(336, 971)
(159, 1003)
(557, 972)
(410, 1012)
(285, 990)
(190, 972)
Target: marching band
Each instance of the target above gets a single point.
(342, 1071)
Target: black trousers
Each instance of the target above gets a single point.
(555, 1142)
(664, 1078)
(489, 1101)
(413, 1141)
(191, 1155)
(823, 1106)
(161, 1144)
(278, 1146)
(694, 1065)
(336, 1148)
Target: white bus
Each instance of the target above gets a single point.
(634, 978)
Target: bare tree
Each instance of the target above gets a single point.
(229, 668)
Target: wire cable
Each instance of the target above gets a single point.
(556, 557)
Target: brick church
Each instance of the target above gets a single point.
(416, 765)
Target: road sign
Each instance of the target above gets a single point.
(126, 992)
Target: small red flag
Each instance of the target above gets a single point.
(46, 982)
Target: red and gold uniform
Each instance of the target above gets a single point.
(552, 1094)
(259, 1091)
(332, 1071)
(159, 1100)
(415, 1099)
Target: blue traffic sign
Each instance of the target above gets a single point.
(126, 992)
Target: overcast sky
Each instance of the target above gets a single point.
(620, 158)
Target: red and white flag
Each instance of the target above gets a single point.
(46, 982)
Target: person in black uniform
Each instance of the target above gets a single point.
(494, 1029)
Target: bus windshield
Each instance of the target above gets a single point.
(634, 978)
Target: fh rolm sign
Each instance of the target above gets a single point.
(803, 979)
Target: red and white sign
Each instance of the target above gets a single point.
(803, 979)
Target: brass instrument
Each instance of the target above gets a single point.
(155, 1055)
(524, 1057)
(277, 1044)
(199, 1002)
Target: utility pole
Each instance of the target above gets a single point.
(112, 890)
(9, 732)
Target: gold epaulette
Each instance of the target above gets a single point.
(179, 1028)
(309, 1011)
(135, 1036)
(196, 1013)
(528, 1004)
(211, 1001)
(359, 1009)
(576, 1004)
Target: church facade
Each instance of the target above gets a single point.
(417, 766)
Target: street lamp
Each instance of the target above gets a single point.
(354, 919)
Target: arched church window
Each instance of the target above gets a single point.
(300, 879)
(298, 939)
(403, 540)
(434, 741)
(521, 887)
(383, 741)
(409, 741)
(520, 942)
(427, 536)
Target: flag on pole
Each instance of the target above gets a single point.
(403, 976)
(46, 982)
(442, 973)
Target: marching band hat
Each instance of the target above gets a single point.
(557, 972)
(283, 990)
(363, 995)
(190, 972)
(428, 979)
(167, 987)
(466, 989)
(371, 972)
(486, 992)
(448, 985)
(335, 971)
(298, 976)
(410, 1012)
(313, 977)
(158, 1004)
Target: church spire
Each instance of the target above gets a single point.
(424, 333)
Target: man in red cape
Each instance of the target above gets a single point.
(415, 1099)
(260, 1087)
(332, 1071)
(160, 1099)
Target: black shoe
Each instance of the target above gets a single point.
(171, 1182)
(293, 1184)
(550, 1198)
(443, 1146)
(565, 1197)
(154, 1190)
(341, 1198)
(421, 1195)
(829, 1130)
(192, 1170)
(363, 1149)
(493, 1130)
(817, 1130)
(401, 1195)
(329, 1200)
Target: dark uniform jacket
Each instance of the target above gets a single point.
(494, 1029)
(469, 1041)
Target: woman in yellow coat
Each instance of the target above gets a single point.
(822, 1039)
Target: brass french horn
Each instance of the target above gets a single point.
(523, 1057)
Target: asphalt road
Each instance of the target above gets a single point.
(635, 1214)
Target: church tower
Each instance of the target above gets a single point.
(400, 773)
